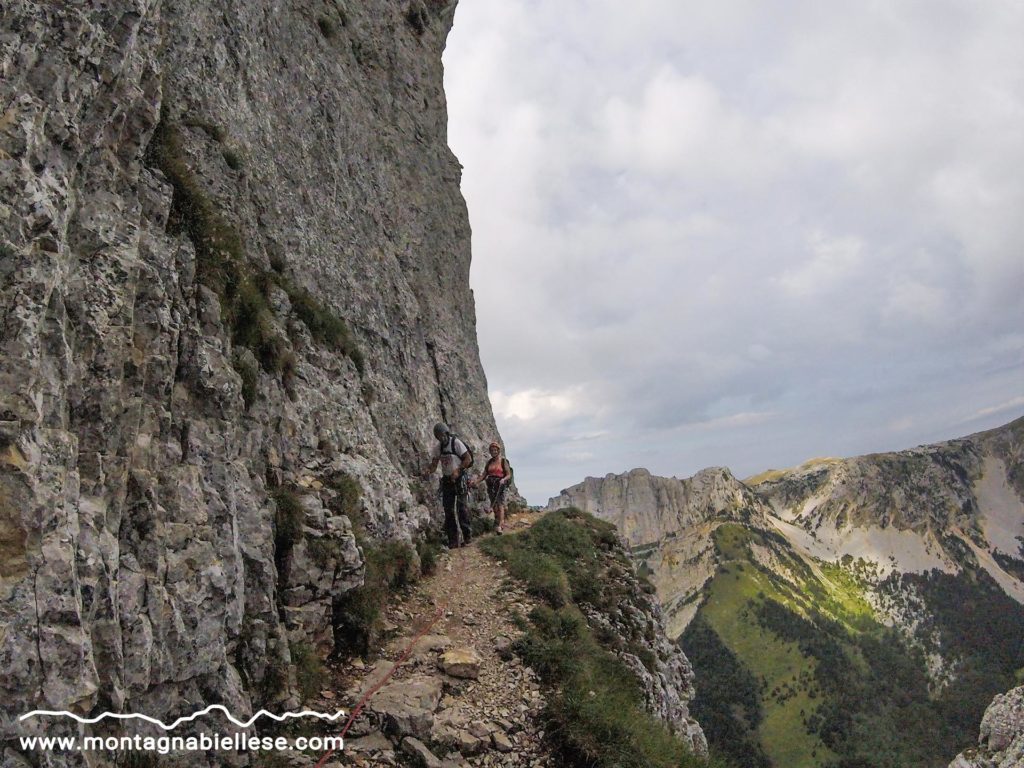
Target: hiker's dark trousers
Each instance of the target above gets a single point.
(456, 511)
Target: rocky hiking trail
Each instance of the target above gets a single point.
(461, 697)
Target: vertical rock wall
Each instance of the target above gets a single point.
(196, 199)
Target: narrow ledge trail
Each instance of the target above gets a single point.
(460, 696)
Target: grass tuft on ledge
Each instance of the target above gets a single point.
(390, 566)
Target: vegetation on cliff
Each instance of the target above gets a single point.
(223, 265)
(596, 709)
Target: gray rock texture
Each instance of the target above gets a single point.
(195, 201)
(929, 489)
(648, 509)
(1001, 743)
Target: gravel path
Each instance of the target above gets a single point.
(463, 698)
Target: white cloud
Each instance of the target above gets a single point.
(685, 213)
(680, 125)
(1012, 405)
(534, 404)
(831, 262)
(916, 301)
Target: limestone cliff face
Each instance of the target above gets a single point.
(234, 259)
(1001, 743)
(948, 505)
(648, 509)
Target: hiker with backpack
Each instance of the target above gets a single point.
(497, 474)
(455, 458)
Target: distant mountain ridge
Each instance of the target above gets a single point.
(940, 506)
(802, 596)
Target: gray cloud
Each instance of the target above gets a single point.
(740, 233)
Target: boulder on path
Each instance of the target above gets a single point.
(468, 744)
(448, 723)
(502, 743)
(407, 706)
(380, 669)
(461, 662)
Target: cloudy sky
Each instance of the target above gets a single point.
(740, 233)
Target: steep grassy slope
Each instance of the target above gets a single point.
(793, 668)
(780, 671)
(618, 687)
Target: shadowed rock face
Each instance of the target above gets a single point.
(192, 197)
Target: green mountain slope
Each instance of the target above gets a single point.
(854, 613)
(794, 669)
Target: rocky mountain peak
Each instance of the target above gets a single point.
(648, 509)
(911, 560)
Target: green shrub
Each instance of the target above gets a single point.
(390, 565)
(429, 549)
(233, 159)
(347, 500)
(595, 712)
(222, 264)
(570, 541)
(646, 656)
(542, 574)
(324, 325)
(250, 378)
(323, 550)
(327, 28)
(394, 563)
(278, 262)
(416, 16)
(480, 525)
(309, 671)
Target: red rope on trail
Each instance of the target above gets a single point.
(405, 655)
